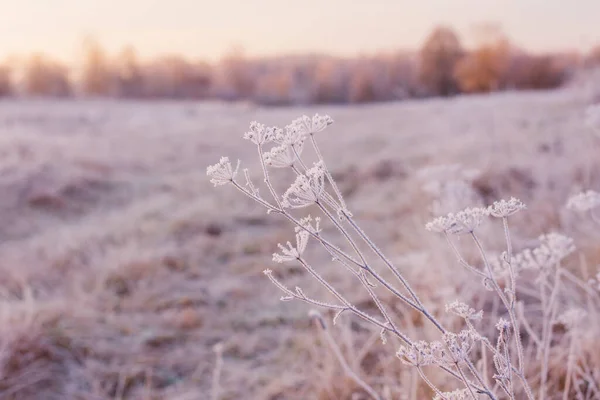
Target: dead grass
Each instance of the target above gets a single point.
(121, 269)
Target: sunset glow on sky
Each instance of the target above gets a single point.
(208, 29)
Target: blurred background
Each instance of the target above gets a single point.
(125, 275)
(269, 52)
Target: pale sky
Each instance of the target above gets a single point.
(209, 28)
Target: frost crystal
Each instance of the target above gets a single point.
(504, 208)
(259, 134)
(584, 201)
(308, 126)
(222, 173)
(307, 189)
(291, 253)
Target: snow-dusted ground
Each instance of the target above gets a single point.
(122, 266)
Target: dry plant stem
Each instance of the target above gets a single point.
(337, 191)
(464, 379)
(570, 361)
(216, 379)
(513, 299)
(511, 313)
(320, 323)
(461, 260)
(430, 384)
(365, 265)
(266, 175)
(420, 307)
(549, 317)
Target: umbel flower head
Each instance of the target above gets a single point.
(462, 222)
(259, 134)
(584, 201)
(307, 189)
(291, 253)
(308, 126)
(281, 156)
(506, 208)
(553, 248)
(222, 172)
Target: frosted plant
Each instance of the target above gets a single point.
(464, 311)
(584, 201)
(291, 253)
(454, 352)
(506, 208)
(222, 173)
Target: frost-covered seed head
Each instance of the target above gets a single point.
(291, 253)
(459, 394)
(259, 134)
(308, 126)
(307, 189)
(462, 222)
(506, 208)
(584, 201)
(222, 172)
(281, 156)
(464, 311)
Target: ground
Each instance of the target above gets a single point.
(122, 267)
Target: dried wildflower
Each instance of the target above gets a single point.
(504, 208)
(572, 318)
(291, 253)
(553, 248)
(441, 224)
(307, 224)
(307, 189)
(464, 311)
(420, 354)
(292, 135)
(503, 325)
(462, 222)
(259, 134)
(584, 201)
(459, 394)
(459, 345)
(281, 156)
(308, 126)
(222, 173)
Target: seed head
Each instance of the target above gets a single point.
(222, 172)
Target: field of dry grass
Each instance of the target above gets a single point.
(122, 268)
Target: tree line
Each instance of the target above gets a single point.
(442, 67)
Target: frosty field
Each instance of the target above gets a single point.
(122, 267)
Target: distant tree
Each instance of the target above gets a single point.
(130, 81)
(6, 88)
(484, 69)
(96, 75)
(44, 77)
(438, 58)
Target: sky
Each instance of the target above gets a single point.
(209, 29)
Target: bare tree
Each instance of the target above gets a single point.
(439, 55)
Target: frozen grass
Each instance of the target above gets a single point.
(122, 268)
